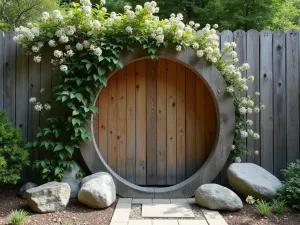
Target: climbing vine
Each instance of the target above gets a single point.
(87, 42)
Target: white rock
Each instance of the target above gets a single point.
(217, 197)
(25, 187)
(97, 191)
(70, 177)
(49, 197)
(250, 179)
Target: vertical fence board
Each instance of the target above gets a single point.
(171, 122)
(253, 60)
(292, 81)
(162, 122)
(226, 36)
(140, 122)
(266, 82)
(130, 142)
(180, 123)
(2, 52)
(121, 124)
(279, 102)
(10, 77)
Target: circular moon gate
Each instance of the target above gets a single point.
(152, 133)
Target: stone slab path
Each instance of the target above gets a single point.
(164, 208)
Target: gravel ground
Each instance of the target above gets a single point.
(75, 212)
(249, 216)
(136, 213)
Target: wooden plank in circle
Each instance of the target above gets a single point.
(112, 122)
(121, 122)
(162, 122)
(140, 122)
(181, 176)
(130, 133)
(151, 121)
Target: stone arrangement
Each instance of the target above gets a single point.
(70, 177)
(25, 187)
(251, 179)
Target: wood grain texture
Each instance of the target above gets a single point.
(253, 60)
(121, 122)
(171, 122)
(112, 122)
(181, 132)
(140, 122)
(130, 134)
(279, 69)
(151, 121)
(266, 82)
(162, 122)
(292, 101)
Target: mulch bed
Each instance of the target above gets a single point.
(249, 216)
(75, 212)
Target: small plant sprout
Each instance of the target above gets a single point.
(67, 222)
(279, 206)
(263, 207)
(18, 217)
(250, 200)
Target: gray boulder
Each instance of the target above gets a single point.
(70, 177)
(97, 191)
(250, 179)
(49, 197)
(25, 187)
(217, 197)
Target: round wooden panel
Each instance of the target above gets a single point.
(156, 124)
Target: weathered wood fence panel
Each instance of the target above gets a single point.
(274, 60)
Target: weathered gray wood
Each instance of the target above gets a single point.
(10, 77)
(253, 60)
(2, 51)
(292, 100)
(279, 102)
(266, 82)
(226, 36)
(22, 101)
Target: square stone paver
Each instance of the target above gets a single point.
(141, 200)
(118, 223)
(160, 201)
(164, 222)
(178, 210)
(210, 214)
(120, 217)
(123, 207)
(217, 222)
(178, 200)
(140, 222)
(124, 200)
(192, 222)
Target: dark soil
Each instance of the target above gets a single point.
(75, 212)
(249, 216)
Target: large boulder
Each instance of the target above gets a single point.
(217, 197)
(25, 187)
(49, 197)
(97, 191)
(250, 179)
(70, 177)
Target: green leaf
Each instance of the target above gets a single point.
(64, 98)
(88, 66)
(59, 146)
(79, 96)
(70, 149)
(103, 81)
(94, 109)
(101, 71)
(75, 113)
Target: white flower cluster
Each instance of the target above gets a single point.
(39, 106)
(25, 35)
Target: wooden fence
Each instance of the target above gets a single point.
(274, 60)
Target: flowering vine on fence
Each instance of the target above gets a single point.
(87, 42)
